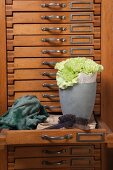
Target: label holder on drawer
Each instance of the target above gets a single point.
(88, 39)
(88, 27)
(90, 137)
(88, 51)
(79, 15)
(89, 5)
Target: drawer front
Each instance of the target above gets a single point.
(52, 40)
(35, 29)
(53, 151)
(52, 136)
(63, 5)
(35, 63)
(35, 74)
(55, 162)
(43, 96)
(61, 51)
(54, 107)
(50, 17)
(44, 85)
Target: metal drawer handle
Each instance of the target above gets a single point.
(53, 51)
(52, 17)
(49, 63)
(49, 85)
(53, 40)
(54, 163)
(67, 137)
(51, 107)
(49, 96)
(55, 152)
(53, 29)
(49, 74)
(52, 5)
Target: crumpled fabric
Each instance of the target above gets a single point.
(50, 121)
(70, 121)
(25, 113)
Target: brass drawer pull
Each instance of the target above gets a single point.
(55, 152)
(54, 17)
(49, 85)
(53, 40)
(54, 163)
(49, 74)
(53, 51)
(67, 137)
(54, 29)
(52, 5)
(51, 107)
(49, 96)
(49, 63)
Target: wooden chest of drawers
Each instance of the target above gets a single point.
(35, 35)
(41, 33)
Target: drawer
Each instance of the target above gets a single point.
(50, 151)
(52, 106)
(63, 5)
(61, 51)
(28, 63)
(53, 17)
(53, 40)
(33, 63)
(37, 29)
(10, 2)
(55, 162)
(50, 96)
(53, 151)
(55, 52)
(55, 136)
(35, 74)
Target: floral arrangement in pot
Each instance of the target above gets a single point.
(76, 79)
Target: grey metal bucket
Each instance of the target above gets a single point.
(78, 100)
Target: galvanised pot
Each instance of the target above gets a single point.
(78, 100)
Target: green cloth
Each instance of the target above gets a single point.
(25, 113)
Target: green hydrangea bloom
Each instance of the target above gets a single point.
(69, 70)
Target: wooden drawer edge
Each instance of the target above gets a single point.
(51, 136)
